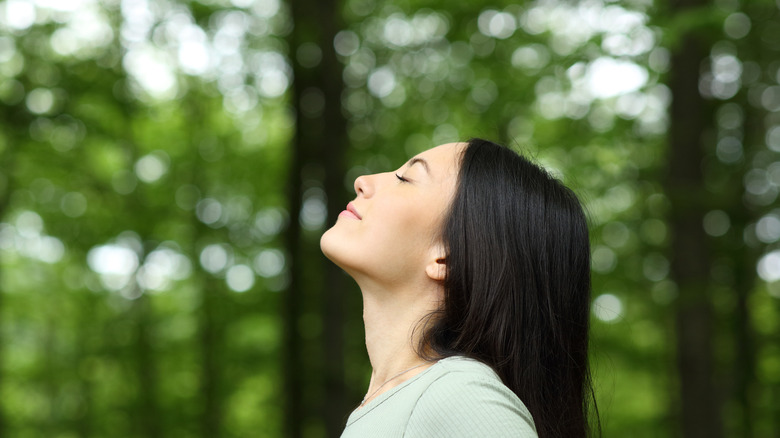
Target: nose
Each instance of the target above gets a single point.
(364, 186)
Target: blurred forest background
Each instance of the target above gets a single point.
(167, 168)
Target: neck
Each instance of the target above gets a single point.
(393, 330)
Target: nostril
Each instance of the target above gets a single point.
(365, 186)
(359, 182)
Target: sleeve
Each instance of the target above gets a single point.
(454, 407)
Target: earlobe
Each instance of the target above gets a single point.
(437, 269)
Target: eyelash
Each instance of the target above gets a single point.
(402, 179)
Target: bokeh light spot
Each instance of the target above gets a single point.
(40, 101)
(716, 223)
(214, 258)
(73, 204)
(769, 267)
(607, 308)
(240, 278)
(151, 167)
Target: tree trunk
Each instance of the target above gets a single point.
(149, 422)
(744, 368)
(3, 204)
(86, 324)
(744, 259)
(333, 157)
(210, 357)
(317, 154)
(747, 392)
(10, 116)
(690, 267)
(151, 426)
(210, 315)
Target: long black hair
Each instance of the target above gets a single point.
(517, 286)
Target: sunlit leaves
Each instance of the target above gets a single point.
(149, 145)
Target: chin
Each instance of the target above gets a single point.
(333, 246)
(327, 243)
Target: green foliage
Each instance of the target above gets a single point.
(143, 162)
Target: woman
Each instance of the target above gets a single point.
(474, 266)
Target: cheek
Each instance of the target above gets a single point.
(381, 246)
(401, 235)
(392, 241)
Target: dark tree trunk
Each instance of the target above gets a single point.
(86, 325)
(747, 392)
(3, 205)
(211, 414)
(745, 357)
(11, 116)
(149, 422)
(317, 154)
(744, 259)
(333, 157)
(147, 373)
(210, 314)
(292, 357)
(690, 267)
(50, 377)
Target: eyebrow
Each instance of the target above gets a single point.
(424, 163)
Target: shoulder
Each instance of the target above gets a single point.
(467, 398)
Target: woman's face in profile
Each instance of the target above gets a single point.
(391, 230)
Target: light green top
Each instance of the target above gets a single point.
(456, 397)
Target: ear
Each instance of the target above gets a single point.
(436, 269)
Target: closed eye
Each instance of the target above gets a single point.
(402, 179)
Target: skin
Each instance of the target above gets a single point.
(395, 255)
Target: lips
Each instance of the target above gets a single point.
(351, 212)
(351, 208)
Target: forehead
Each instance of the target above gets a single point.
(444, 159)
